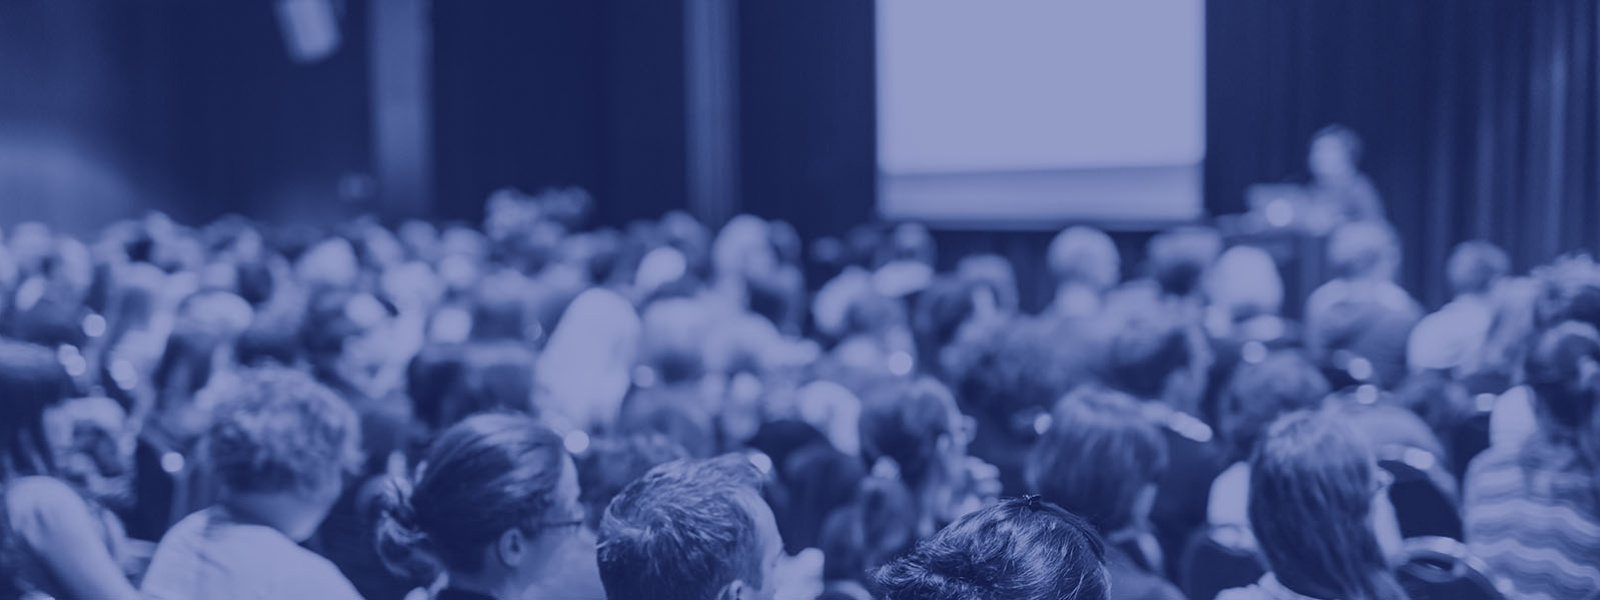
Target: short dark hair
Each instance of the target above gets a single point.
(1258, 393)
(682, 532)
(1019, 548)
(482, 477)
(1145, 352)
(1179, 258)
(905, 425)
(277, 429)
(1099, 453)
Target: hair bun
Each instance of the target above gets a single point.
(402, 543)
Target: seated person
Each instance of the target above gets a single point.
(1452, 339)
(1532, 509)
(1156, 359)
(1320, 511)
(691, 530)
(280, 444)
(497, 507)
(1256, 396)
(55, 541)
(1101, 459)
(1357, 325)
(1023, 548)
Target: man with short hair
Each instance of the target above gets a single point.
(280, 444)
(691, 530)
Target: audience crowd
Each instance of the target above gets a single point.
(537, 409)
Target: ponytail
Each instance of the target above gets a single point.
(402, 543)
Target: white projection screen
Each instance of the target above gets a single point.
(1040, 112)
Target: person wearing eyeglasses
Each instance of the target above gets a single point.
(495, 506)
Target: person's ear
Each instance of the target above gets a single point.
(735, 591)
(511, 548)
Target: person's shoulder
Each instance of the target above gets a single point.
(1243, 593)
(36, 498)
(314, 576)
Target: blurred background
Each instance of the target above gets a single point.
(996, 126)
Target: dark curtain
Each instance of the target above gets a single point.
(1478, 115)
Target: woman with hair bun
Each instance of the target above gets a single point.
(495, 506)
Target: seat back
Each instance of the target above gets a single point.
(1441, 569)
(1423, 494)
(1220, 558)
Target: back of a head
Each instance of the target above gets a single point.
(1312, 483)
(684, 531)
(1364, 249)
(495, 377)
(1145, 352)
(672, 339)
(498, 308)
(1084, 255)
(1475, 266)
(1246, 282)
(878, 525)
(1097, 458)
(1019, 549)
(905, 426)
(1258, 393)
(33, 380)
(1180, 257)
(482, 477)
(1563, 368)
(278, 430)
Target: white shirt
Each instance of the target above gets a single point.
(207, 556)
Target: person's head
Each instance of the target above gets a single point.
(611, 464)
(1011, 373)
(498, 309)
(691, 530)
(33, 380)
(1364, 250)
(878, 525)
(1475, 266)
(917, 426)
(835, 411)
(1022, 548)
(280, 444)
(492, 378)
(346, 335)
(1335, 153)
(1315, 493)
(487, 503)
(1258, 393)
(1100, 459)
(1150, 358)
(1084, 256)
(1245, 283)
(1563, 368)
(1179, 258)
(672, 340)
